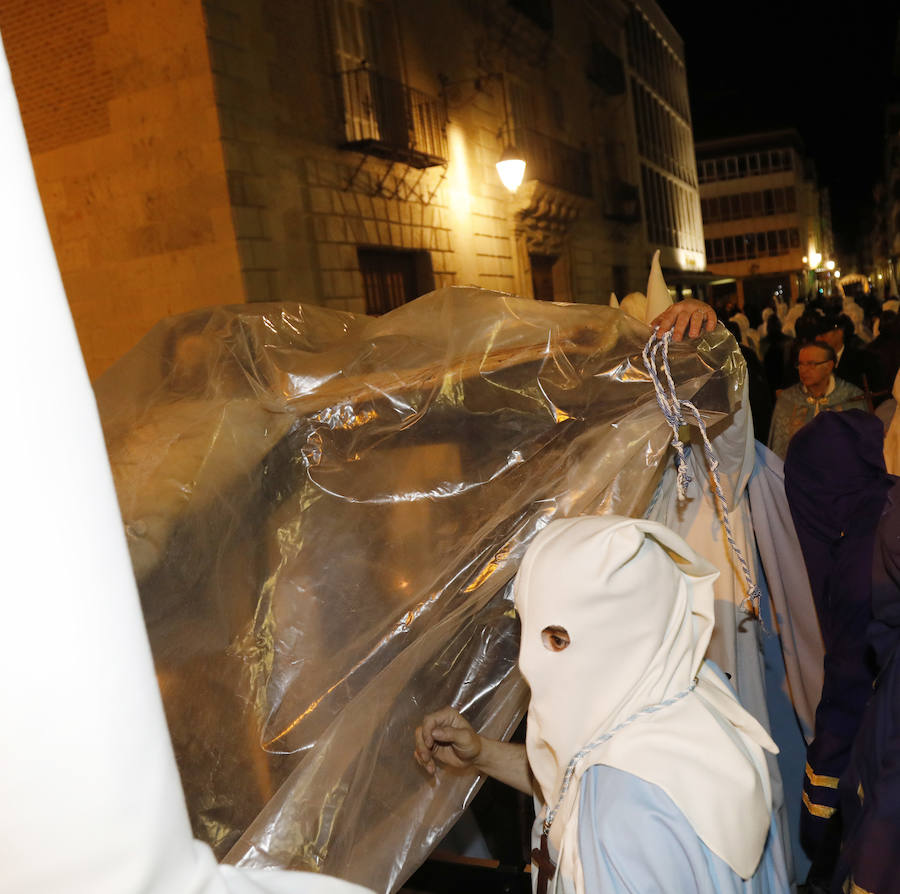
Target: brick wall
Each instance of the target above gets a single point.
(118, 107)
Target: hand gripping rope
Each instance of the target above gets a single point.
(656, 351)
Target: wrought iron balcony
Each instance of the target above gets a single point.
(554, 163)
(386, 118)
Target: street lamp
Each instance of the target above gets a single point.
(829, 265)
(511, 168)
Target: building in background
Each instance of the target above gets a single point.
(884, 244)
(342, 152)
(662, 118)
(765, 220)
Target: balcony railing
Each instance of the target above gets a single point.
(386, 118)
(553, 162)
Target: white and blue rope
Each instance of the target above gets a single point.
(656, 350)
(672, 409)
(573, 764)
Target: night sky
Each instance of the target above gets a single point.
(824, 68)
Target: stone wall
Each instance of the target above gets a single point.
(302, 205)
(118, 108)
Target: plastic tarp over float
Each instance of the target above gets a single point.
(325, 512)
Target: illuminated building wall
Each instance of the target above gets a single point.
(661, 111)
(118, 105)
(342, 152)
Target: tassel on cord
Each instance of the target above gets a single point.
(672, 409)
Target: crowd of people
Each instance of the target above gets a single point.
(649, 773)
(826, 353)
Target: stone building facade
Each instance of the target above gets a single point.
(665, 143)
(342, 152)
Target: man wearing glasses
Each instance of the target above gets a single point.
(818, 389)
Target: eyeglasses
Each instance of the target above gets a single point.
(802, 363)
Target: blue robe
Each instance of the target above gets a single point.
(634, 840)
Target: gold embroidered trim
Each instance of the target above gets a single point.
(824, 781)
(817, 809)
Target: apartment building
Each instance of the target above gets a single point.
(343, 152)
(765, 221)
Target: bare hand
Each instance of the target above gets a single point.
(689, 315)
(446, 736)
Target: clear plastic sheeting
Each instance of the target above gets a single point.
(325, 512)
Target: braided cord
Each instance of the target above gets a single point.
(655, 351)
(672, 408)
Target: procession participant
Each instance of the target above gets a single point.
(92, 800)
(651, 775)
(854, 364)
(690, 317)
(869, 790)
(818, 389)
(836, 485)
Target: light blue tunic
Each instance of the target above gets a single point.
(634, 840)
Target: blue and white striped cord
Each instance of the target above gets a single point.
(672, 408)
(573, 764)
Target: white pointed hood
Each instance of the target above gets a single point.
(658, 297)
(637, 604)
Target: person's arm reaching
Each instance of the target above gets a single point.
(448, 738)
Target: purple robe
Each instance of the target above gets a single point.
(836, 485)
(870, 786)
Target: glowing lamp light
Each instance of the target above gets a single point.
(829, 265)
(805, 259)
(511, 168)
(814, 259)
(880, 276)
(837, 274)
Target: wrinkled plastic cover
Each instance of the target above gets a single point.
(325, 513)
